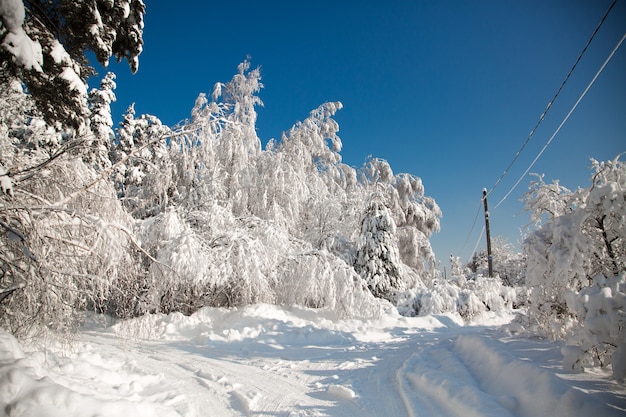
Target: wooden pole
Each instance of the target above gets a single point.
(489, 257)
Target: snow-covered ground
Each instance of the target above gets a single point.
(264, 360)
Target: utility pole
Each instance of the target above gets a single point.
(489, 257)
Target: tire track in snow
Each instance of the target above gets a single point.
(441, 385)
(524, 388)
(445, 372)
(250, 386)
(403, 377)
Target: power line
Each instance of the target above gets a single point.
(472, 228)
(478, 241)
(549, 106)
(541, 118)
(564, 120)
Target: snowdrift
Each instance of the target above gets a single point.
(267, 360)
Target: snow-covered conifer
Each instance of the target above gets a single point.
(377, 258)
(101, 122)
(143, 172)
(44, 44)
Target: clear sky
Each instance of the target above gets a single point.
(445, 90)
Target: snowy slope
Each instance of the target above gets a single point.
(266, 361)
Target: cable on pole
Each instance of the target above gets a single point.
(564, 120)
(549, 106)
(480, 203)
(477, 242)
(532, 132)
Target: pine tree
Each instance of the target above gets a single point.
(101, 122)
(377, 258)
(44, 44)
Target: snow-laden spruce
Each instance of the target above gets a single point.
(377, 258)
(44, 44)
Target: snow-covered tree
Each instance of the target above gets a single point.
(546, 201)
(236, 142)
(101, 122)
(416, 215)
(65, 240)
(508, 263)
(246, 225)
(585, 238)
(143, 170)
(43, 44)
(377, 258)
(302, 172)
(417, 219)
(195, 215)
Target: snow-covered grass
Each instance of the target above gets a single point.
(266, 360)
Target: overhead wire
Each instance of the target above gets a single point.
(549, 106)
(541, 118)
(482, 232)
(564, 120)
(472, 228)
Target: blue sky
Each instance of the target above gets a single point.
(445, 90)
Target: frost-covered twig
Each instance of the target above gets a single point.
(106, 172)
(64, 149)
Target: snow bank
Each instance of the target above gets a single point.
(274, 325)
(600, 337)
(27, 388)
(525, 389)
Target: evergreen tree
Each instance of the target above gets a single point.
(415, 215)
(101, 122)
(143, 171)
(43, 44)
(377, 259)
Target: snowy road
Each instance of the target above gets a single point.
(265, 361)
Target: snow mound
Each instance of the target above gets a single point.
(341, 392)
(85, 386)
(523, 388)
(274, 325)
(267, 360)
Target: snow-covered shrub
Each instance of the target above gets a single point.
(583, 236)
(64, 244)
(467, 297)
(210, 255)
(440, 297)
(600, 338)
(211, 258)
(318, 279)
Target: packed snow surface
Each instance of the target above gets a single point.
(264, 360)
